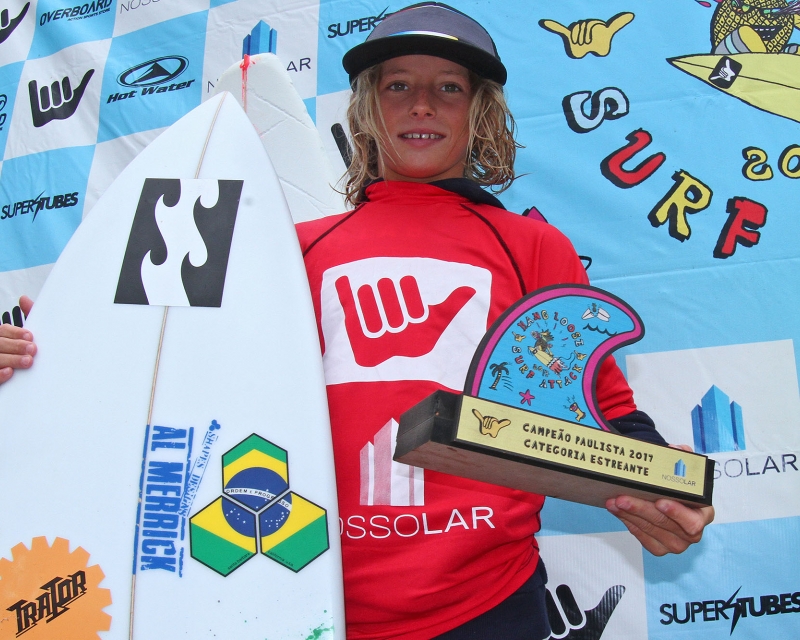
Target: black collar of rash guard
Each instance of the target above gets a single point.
(461, 186)
(468, 189)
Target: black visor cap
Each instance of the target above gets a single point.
(432, 29)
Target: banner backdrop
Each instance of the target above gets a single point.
(661, 137)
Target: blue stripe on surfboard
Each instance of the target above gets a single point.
(139, 506)
(185, 484)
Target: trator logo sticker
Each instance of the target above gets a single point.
(49, 590)
(57, 101)
(8, 25)
(180, 241)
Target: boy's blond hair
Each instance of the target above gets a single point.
(490, 151)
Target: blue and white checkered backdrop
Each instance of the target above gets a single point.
(670, 161)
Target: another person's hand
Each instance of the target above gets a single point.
(664, 526)
(16, 345)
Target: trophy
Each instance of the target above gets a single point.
(529, 418)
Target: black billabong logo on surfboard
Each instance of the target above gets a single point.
(180, 241)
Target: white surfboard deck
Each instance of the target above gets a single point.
(265, 91)
(73, 427)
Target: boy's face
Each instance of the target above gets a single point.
(425, 104)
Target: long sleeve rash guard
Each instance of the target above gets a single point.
(404, 287)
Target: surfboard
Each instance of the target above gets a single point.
(166, 463)
(767, 81)
(265, 91)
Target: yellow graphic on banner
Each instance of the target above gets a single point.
(588, 36)
(752, 58)
(757, 26)
(770, 82)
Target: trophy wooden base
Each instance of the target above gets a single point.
(482, 440)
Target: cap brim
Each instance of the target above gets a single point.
(370, 53)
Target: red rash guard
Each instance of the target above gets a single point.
(404, 287)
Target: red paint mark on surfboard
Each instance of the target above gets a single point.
(246, 62)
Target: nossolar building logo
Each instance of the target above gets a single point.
(154, 72)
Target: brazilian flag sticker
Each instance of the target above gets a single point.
(258, 513)
(223, 536)
(294, 531)
(255, 472)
